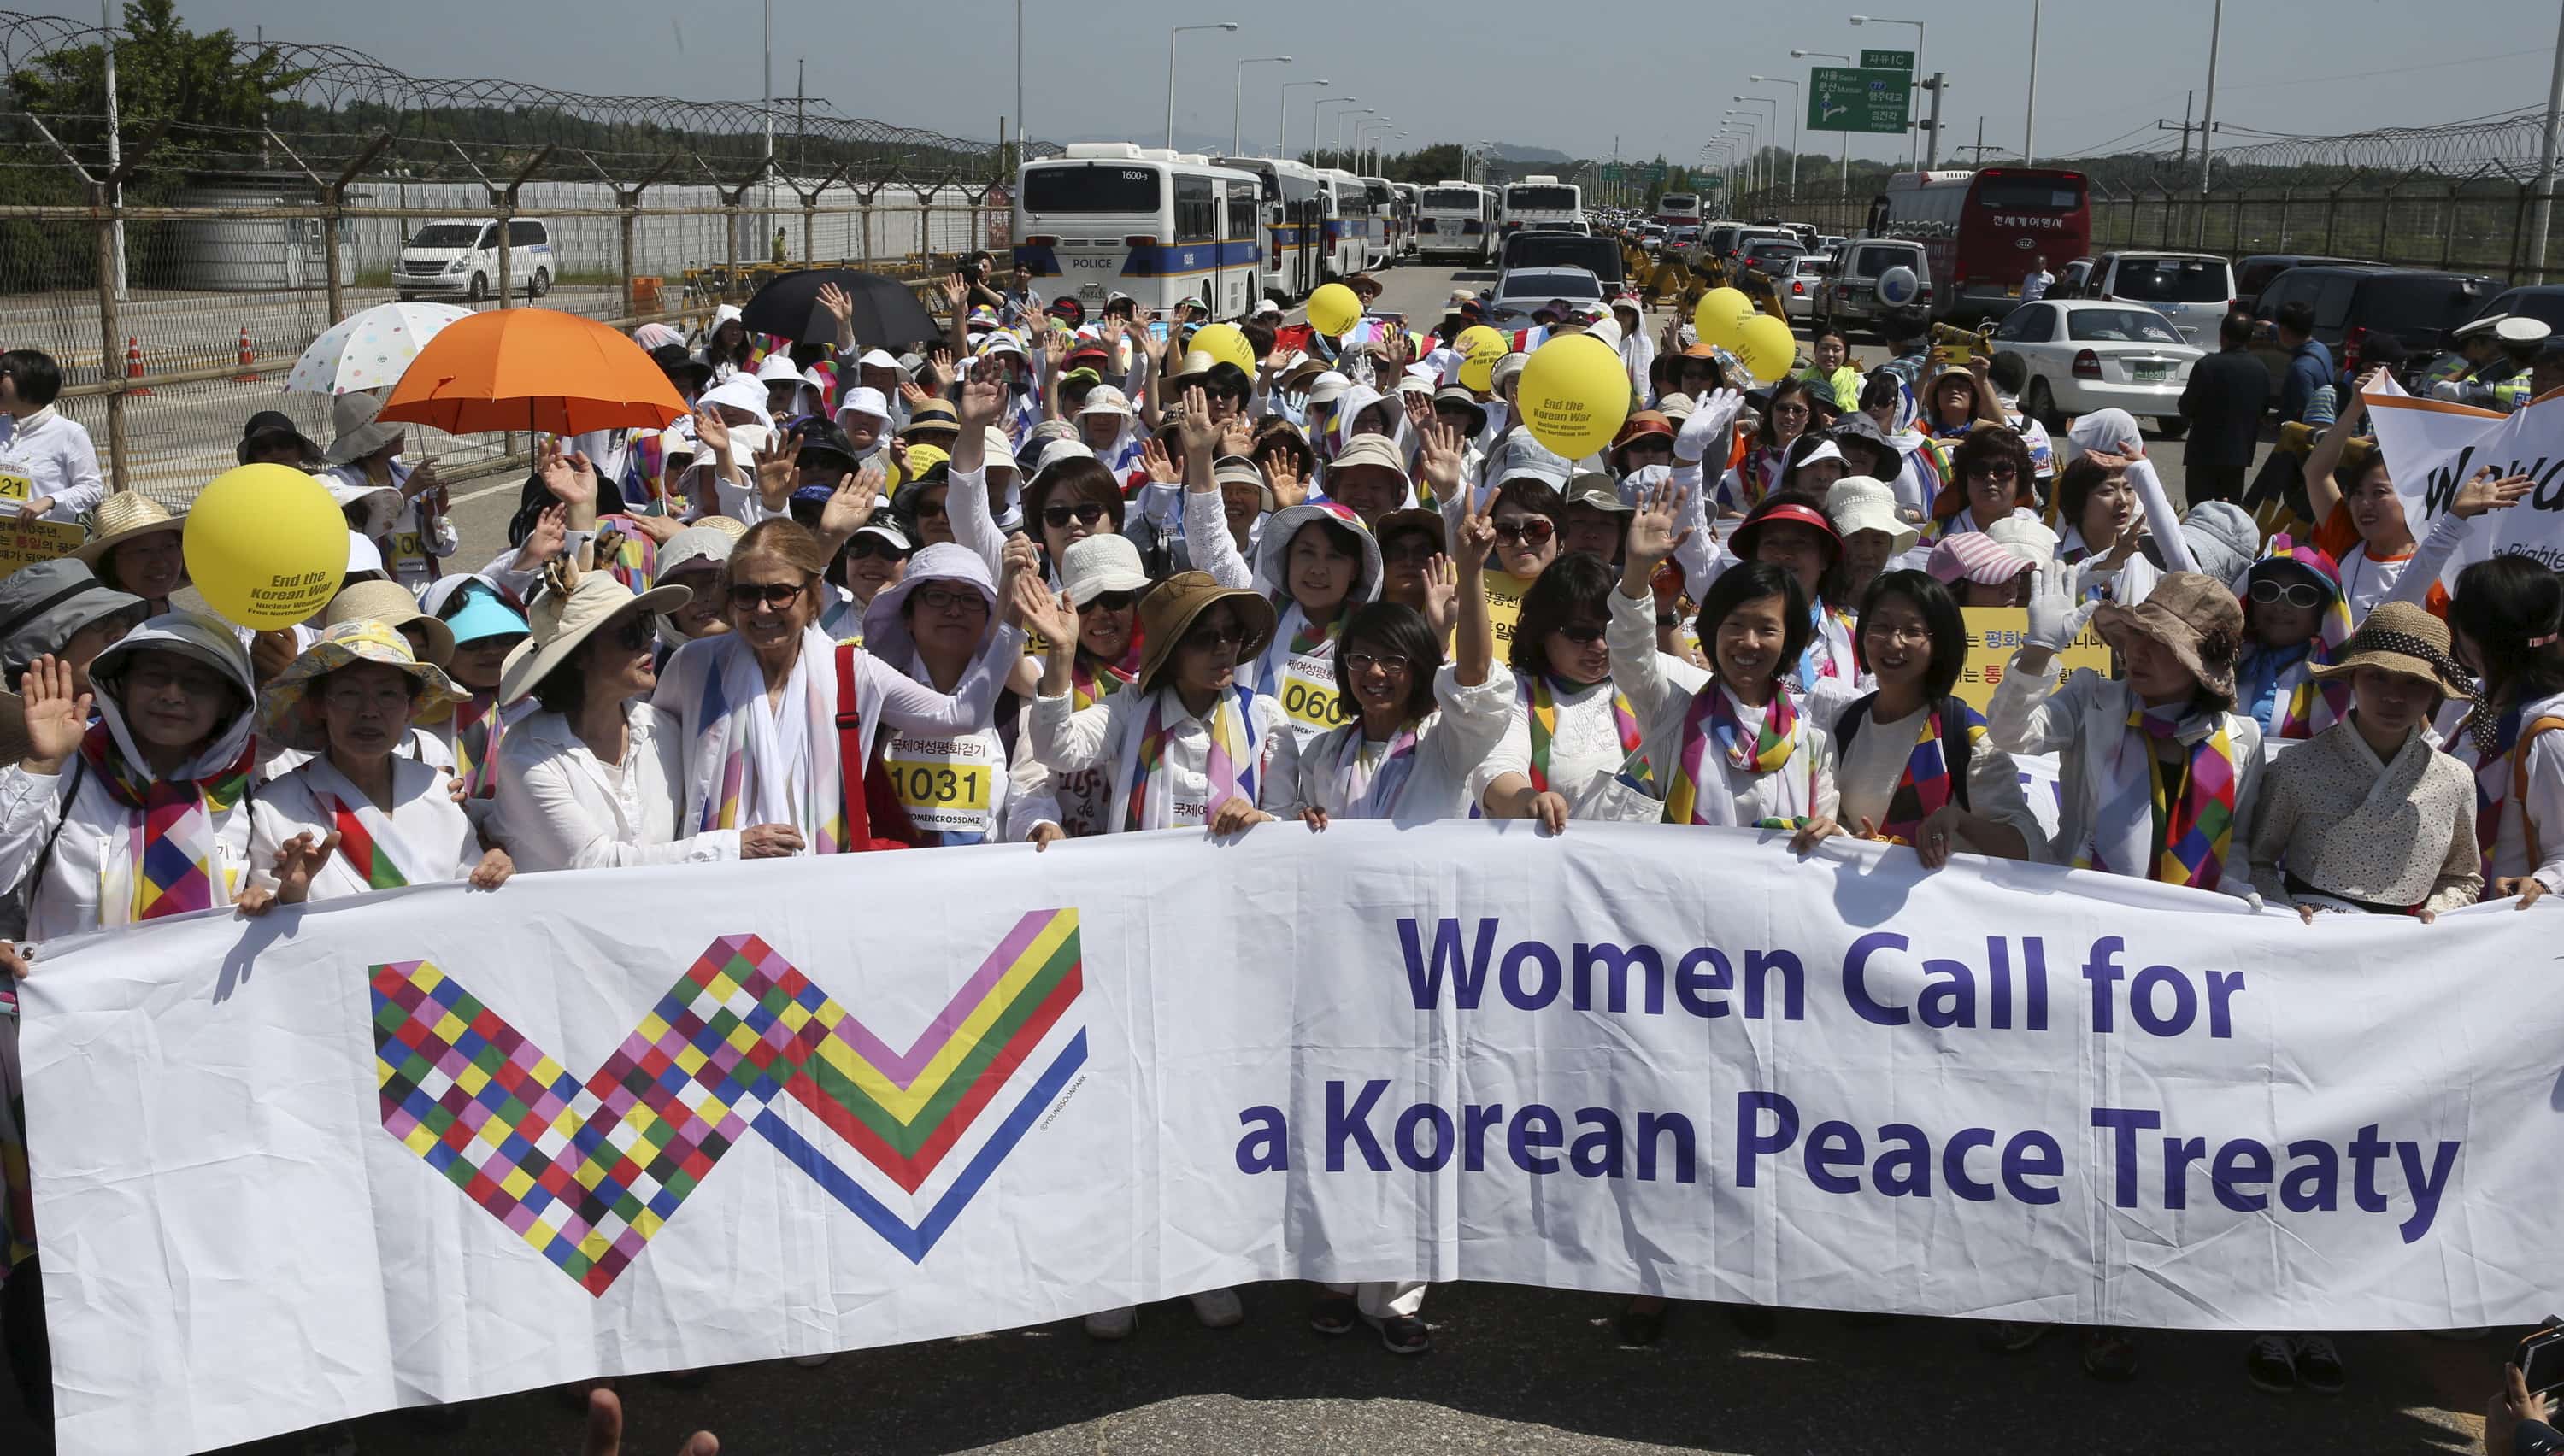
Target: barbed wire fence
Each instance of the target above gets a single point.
(177, 269)
(2456, 196)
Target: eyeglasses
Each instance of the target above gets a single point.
(874, 546)
(2296, 593)
(750, 595)
(349, 697)
(1583, 636)
(1085, 512)
(938, 599)
(1111, 601)
(1999, 470)
(193, 682)
(1531, 531)
(1388, 662)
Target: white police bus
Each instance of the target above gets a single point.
(1164, 227)
(1456, 220)
(1292, 213)
(1543, 202)
(1356, 233)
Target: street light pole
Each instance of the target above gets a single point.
(1916, 141)
(1282, 127)
(2029, 118)
(1237, 103)
(1794, 107)
(1775, 103)
(1320, 104)
(1172, 33)
(2208, 111)
(2546, 166)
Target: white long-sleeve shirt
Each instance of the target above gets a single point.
(1452, 744)
(68, 895)
(54, 454)
(2544, 808)
(565, 809)
(1658, 697)
(1105, 736)
(433, 828)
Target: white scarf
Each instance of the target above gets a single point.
(338, 792)
(752, 764)
(1369, 787)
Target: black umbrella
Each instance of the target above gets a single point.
(887, 312)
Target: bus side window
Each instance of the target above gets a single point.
(1196, 210)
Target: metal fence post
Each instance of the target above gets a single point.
(109, 330)
(2448, 227)
(2385, 221)
(2332, 213)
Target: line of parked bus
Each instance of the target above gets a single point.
(1166, 227)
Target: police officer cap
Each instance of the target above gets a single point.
(2519, 330)
(2475, 327)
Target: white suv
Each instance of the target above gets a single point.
(459, 257)
(2195, 290)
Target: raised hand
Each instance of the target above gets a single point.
(939, 365)
(1018, 559)
(658, 528)
(1704, 436)
(1282, 472)
(983, 403)
(2055, 618)
(1160, 466)
(1655, 531)
(547, 538)
(956, 294)
(1054, 348)
(1441, 596)
(57, 716)
(839, 304)
(850, 506)
(1053, 617)
(2484, 493)
(1200, 435)
(778, 470)
(1237, 436)
(1444, 458)
(713, 433)
(1419, 410)
(913, 396)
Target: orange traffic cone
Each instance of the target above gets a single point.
(248, 360)
(134, 368)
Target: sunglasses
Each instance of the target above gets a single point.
(930, 509)
(750, 595)
(1410, 549)
(1085, 512)
(2295, 593)
(1585, 636)
(1998, 471)
(1388, 662)
(1530, 532)
(1111, 601)
(632, 636)
(874, 546)
(1205, 638)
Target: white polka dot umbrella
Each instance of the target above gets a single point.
(369, 350)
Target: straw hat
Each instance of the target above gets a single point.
(1168, 613)
(2401, 637)
(281, 715)
(392, 604)
(122, 516)
(2196, 620)
(563, 621)
(1860, 503)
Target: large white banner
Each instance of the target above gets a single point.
(444, 1145)
(2433, 447)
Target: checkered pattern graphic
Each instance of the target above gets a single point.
(585, 1172)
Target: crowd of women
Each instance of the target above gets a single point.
(1046, 578)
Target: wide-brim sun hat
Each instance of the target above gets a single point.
(2400, 637)
(281, 715)
(560, 624)
(379, 504)
(392, 604)
(1099, 564)
(1168, 613)
(2025, 538)
(1327, 387)
(273, 427)
(1376, 451)
(1863, 502)
(45, 605)
(1273, 548)
(2196, 618)
(885, 633)
(1747, 532)
(354, 432)
(1457, 396)
(1104, 399)
(122, 516)
(1237, 470)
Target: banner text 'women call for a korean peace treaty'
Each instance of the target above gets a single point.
(443, 1145)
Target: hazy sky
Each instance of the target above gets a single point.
(1515, 70)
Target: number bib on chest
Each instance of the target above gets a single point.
(1308, 693)
(409, 552)
(15, 484)
(947, 783)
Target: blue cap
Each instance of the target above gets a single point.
(484, 616)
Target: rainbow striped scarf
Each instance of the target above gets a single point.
(636, 558)
(1231, 766)
(1712, 718)
(2197, 828)
(730, 727)
(478, 727)
(1087, 687)
(1925, 786)
(170, 833)
(1371, 790)
(1543, 692)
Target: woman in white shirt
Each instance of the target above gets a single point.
(2505, 617)
(756, 707)
(359, 816)
(48, 463)
(1571, 748)
(954, 783)
(1104, 583)
(594, 780)
(1896, 748)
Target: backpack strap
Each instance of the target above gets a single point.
(869, 799)
(2519, 783)
(1958, 746)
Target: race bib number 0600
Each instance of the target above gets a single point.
(1309, 693)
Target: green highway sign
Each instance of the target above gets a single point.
(1840, 99)
(1887, 60)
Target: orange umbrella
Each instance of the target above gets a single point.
(532, 369)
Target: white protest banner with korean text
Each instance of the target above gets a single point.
(2432, 448)
(441, 1144)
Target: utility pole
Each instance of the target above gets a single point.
(2208, 111)
(2546, 166)
(115, 148)
(1939, 83)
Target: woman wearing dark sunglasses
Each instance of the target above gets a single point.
(2294, 619)
(1072, 496)
(1103, 582)
(1989, 479)
(756, 707)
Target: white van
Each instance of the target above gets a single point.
(2195, 290)
(458, 257)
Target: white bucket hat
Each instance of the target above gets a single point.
(1104, 399)
(864, 401)
(1096, 566)
(1327, 387)
(1862, 503)
(885, 633)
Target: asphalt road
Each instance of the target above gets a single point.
(1513, 1369)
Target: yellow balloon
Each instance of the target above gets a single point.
(1333, 309)
(1223, 341)
(1478, 336)
(1574, 394)
(1720, 318)
(1481, 349)
(266, 545)
(1766, 348)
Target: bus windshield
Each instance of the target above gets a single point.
(1541, 199)
(1678, 202)
(2031, 194)
(1094, 187)
(1456, 199)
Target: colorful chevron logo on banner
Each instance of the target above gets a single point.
(585, 1172)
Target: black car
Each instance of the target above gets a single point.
(2354, 304)
(2253, 274)
(2541, 301)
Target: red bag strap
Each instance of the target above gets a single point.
(851, 764)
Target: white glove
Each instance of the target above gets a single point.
(1712, 416)
(2055, 618)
